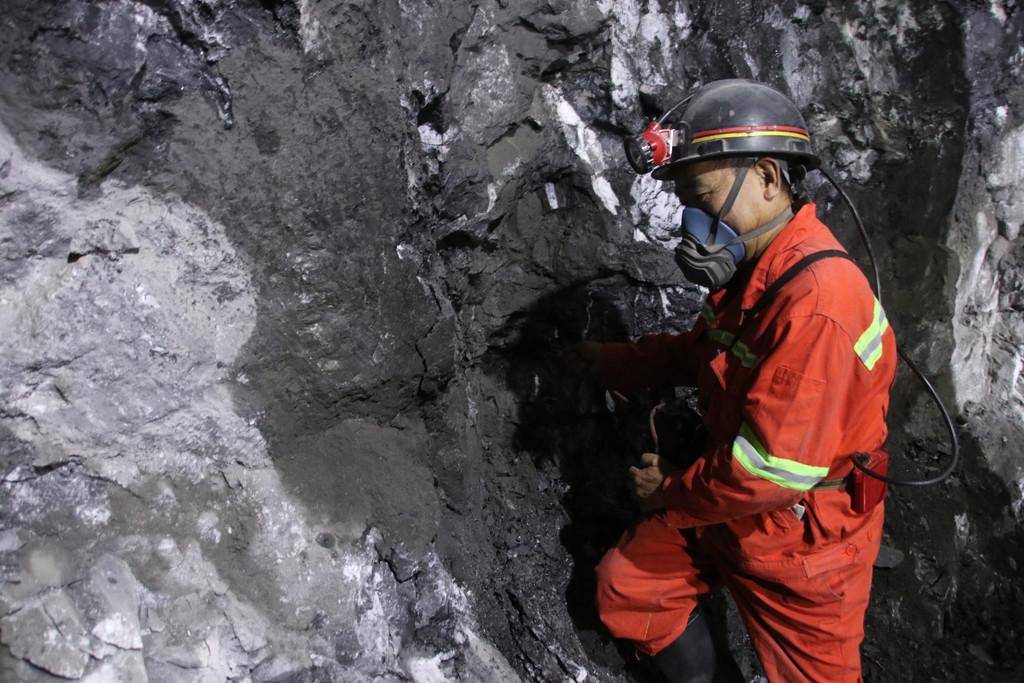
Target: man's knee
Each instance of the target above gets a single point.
(610, 578)
(624, 592)
(621, 603)
(645, 571)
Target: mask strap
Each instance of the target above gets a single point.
(730, 199)
(781, 219)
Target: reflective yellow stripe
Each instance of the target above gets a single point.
(752, 133)
(747, 357)
(789, 474)
(869, 345)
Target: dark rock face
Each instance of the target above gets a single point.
(285, 287)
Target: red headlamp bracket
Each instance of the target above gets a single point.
(652, 148)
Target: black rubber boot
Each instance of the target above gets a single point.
(690, 658)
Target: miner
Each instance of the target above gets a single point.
(793, 360)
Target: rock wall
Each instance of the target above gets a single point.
(284, 292)
(984, 231)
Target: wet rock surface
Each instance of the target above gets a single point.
(285, 290)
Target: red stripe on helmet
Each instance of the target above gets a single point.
(746, 129)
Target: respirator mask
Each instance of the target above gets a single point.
(711, 250)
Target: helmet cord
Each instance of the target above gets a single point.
(953, 440)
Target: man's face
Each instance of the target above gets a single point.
(705, 185)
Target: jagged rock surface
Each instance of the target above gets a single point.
(284, 287)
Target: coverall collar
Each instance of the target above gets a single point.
(803, 224)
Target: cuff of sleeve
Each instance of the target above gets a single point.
(677, 512)
(670, 491)
(614, 366)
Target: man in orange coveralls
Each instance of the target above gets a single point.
(786, 401)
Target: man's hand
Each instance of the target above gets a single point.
(647, 480)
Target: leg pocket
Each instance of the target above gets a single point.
(830, 585)
(825, 576)
(821, 595)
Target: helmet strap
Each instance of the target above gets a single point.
(780, 219)
(734, 191)
(784, 170)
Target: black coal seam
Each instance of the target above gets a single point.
(198, 46)
(42, 470)
(92, 177)
(516, 317)
(540, 637)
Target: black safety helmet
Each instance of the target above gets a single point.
(728, 118)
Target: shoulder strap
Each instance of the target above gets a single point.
(769, 294)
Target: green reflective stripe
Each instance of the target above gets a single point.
(869, 345)
(721, 336)
(789, 474)
(707, 314)
(747, 357)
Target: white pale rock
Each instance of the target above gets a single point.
(49, 635)
(112, 581)
(10, 540)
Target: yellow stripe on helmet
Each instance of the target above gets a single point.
(753, 133)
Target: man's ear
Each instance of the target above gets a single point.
(769, 174)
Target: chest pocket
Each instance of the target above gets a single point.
(792, 399)
(731, 371)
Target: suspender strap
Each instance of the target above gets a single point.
(769, 294)
(829, 484)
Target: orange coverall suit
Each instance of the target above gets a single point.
(807, 386)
